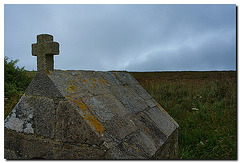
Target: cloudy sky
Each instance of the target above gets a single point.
(125, 37)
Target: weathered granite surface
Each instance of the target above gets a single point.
(89, 115)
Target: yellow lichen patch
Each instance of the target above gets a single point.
(68, 97)
(95, 123)
(134, 147)
(84, 80)
(165, 112)
(102, 81)
(86, 114)
(91, 118)
(75, 101)
(159, 105)
(48, 72)
(114, 74)
(94, 82)
(71, 88)
(148, 129)
(81, 105)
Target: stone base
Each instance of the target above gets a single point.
(19, 146)
(27, 146)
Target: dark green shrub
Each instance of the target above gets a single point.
(16, 80)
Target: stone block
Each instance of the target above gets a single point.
(109, 78)
(26, 146)
(71, 127)
(118, 130)
(67, 84)
(135, 146)
(148, 126)
(42, 85)
(128, 98)
(106, 107)
(161, 120)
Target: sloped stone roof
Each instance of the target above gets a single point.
(114, 107)
(122, 115)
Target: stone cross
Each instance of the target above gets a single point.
(44, 49)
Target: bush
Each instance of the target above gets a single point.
(16, 80)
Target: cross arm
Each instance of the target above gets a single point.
(45, 48)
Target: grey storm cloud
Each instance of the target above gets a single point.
(126, 37)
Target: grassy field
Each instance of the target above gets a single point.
(204, 105)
